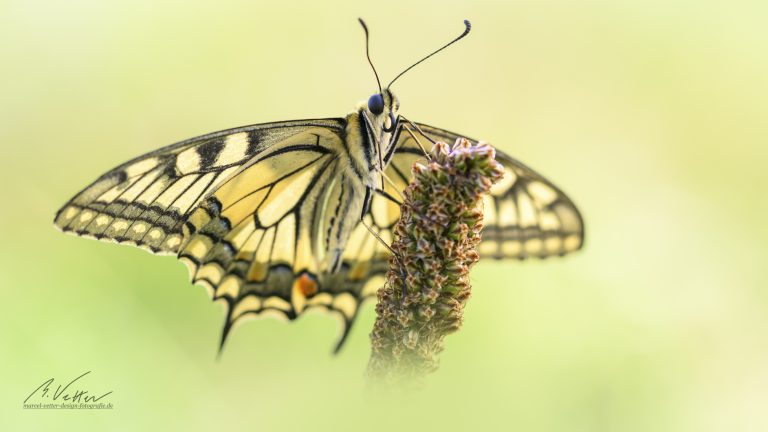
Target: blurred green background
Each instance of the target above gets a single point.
(650, 114)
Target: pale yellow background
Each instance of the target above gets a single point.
(650, 114)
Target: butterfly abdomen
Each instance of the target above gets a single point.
(337, 213)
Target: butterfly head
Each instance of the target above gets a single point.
(382, 109)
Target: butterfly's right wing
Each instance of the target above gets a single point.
(282, 236)
(258, 214)
(145, 201)
(525, 214)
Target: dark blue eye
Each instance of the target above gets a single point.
(376, 104)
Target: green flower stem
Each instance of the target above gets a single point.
(427, 285)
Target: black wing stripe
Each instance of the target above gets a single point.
(115, 203)
(114, 208)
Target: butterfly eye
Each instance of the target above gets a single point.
(376, 104)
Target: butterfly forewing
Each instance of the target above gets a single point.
(146, 201)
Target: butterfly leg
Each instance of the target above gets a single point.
(378, 237)
(397, 258)
(386, 178)
(366, 208)
(415, 138)
(421, 132)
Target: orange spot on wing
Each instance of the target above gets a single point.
(306, 285)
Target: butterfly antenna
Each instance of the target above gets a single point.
(466, 32)
(367, 52)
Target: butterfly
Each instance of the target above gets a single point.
(280, 218)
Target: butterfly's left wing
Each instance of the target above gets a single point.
(525, 214)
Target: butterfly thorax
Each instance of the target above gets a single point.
(368, 139)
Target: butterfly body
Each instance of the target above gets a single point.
(279, 218)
